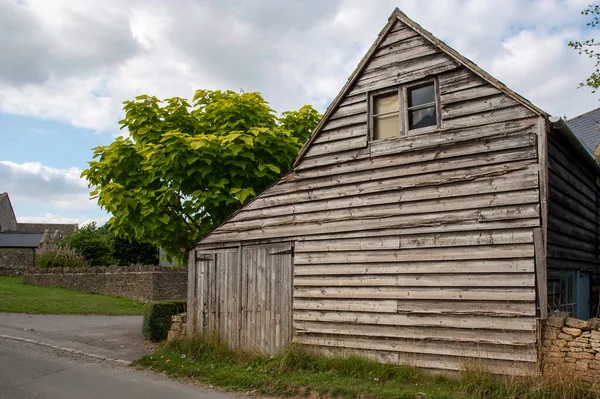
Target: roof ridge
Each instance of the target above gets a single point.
(584, 114)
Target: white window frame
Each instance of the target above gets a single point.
(402, 91)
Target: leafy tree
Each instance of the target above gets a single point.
(94, 243)
(589, 46)
(128, 252)
(100, 247)
(184, 168)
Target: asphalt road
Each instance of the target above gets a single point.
(31, 371)
(118, 337)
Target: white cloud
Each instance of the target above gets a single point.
(76, 61)
(35, 183)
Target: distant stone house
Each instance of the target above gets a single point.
(18, 241)
(8, 222)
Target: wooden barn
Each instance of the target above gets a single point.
(434, 217)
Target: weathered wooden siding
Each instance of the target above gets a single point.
(573, 219)
(416, 249)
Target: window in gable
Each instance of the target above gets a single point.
(404, 110)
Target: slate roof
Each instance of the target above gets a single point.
(586, 128)
(20, 240)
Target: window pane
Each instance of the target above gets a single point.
(386, 103)
(421, 95)
(422, 118)
(385, 127)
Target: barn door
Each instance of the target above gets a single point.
(266, 297)
(219, 294)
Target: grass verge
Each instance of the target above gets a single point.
(300, 372)
(19, 298)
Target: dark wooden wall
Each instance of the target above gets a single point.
(573, 219)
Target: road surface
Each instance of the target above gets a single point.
(30, 371)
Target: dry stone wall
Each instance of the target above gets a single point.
(143, 283)
(13, 261)
(571, 346)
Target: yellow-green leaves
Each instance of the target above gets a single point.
(186, 168)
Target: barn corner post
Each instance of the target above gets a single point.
(192, 301)
(540, 235)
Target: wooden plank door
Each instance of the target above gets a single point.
(266, 309)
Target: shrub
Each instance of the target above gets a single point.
(94, 243)
(59, 256)
(157, 318)
(100, 246)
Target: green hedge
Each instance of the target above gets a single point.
(157, 319)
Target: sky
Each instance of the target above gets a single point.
(66, 66)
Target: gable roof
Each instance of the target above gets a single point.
(556, 124)
(587, 129)
(20, 240)
(399, 15)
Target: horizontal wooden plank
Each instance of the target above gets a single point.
(342, 133)
(567, 241)
(564, 187)
(501, 352)
(347, 100)
(556, 251)
(576, 183)
(381, 306)
(394, 209)
(458, 80)
(416, 149)
(345, 121)
(435, 267)
(447, 321)
(411, 224)
(400, 45)
(524, 152)
(477, 106)
(484, 118)
(400, 54)
(399, 35)
(353, 187)
(567, 156)
(434, 362)
(470, 93)
(517, 338)
(417, 254)
(403, 72)
(421, 241)
(348, 110)
(481, 308)
(524, 183)
(417, 280)
(570, 229)
(336, 146)
(560, 212)
(448, 294)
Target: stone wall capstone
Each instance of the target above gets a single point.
(571, 347)
(142, 283)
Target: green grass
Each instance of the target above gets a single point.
(19, 298)
(299, 372)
